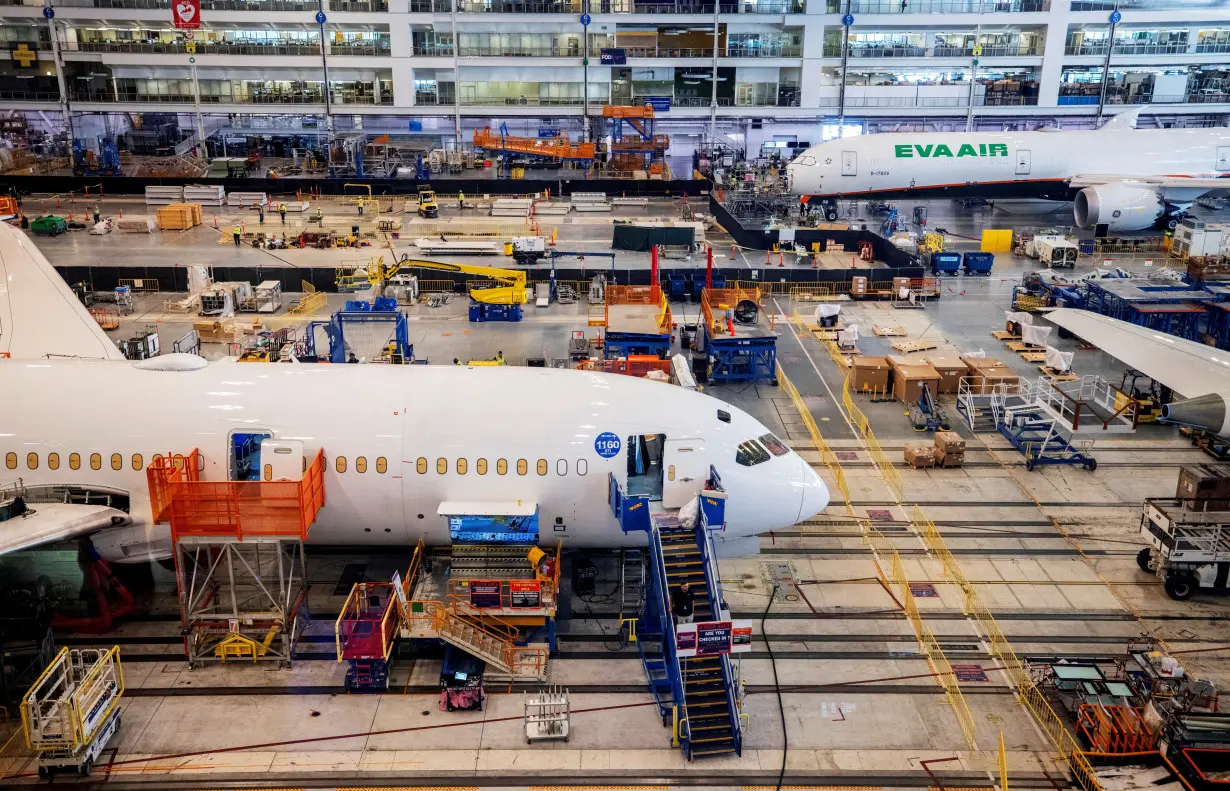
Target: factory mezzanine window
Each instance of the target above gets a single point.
(750, 453)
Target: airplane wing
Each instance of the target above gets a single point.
(1161, 182)
(1186, 367)
(43, 523)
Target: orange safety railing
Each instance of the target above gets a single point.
(637, 365)
(1115, 729)
(233, 509)
(459, 596)
(631, 111)
(726, 299)
(640, 295)
(553, 147)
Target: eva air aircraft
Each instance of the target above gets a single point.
(1117, 176)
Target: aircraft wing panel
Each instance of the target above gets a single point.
(1162, 182)
(1190, 369)
(47, 522)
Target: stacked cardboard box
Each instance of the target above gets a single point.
(1205, 487)
(950, 369)
(949, 449)
(179, 216)
(920, 456)
(909, 378)
(870, 373)
(858, 286)
(986, 372)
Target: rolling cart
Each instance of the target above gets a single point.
(547, 715)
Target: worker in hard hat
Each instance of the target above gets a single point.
(499, 358)
(260, 208)
(282, 211)
(456, 361)
(237, 232)
(461, 199)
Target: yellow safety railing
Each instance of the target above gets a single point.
(819, 292)
(1003, 764)
(888, 470)
(826, 452)
(952, 687)
(147, 285)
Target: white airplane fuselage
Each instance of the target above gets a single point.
(1006, 164)
(521, 434)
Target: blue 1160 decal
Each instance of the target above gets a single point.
(607, 445)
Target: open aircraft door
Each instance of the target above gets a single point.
(849, 163)
(685, 469)
(1022, 161)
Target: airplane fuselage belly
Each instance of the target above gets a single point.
(1007, 164)
(397, 440)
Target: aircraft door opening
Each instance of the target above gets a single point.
(282, 460)
(1223, 158)
(1022, 161)
(244, 458)
(849, 163)
(686, 470)
(645, 465)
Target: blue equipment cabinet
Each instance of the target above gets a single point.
(481, 311)
(945, 263)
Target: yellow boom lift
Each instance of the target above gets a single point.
(511, 290)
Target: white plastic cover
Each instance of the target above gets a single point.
(826, 311)
(689, 513)
(848, 336)
(1057, 360)
(979, 353)
(1019, 317)
(1034, 336)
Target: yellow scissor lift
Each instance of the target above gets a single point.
(73, 709)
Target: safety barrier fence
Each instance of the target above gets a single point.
(1028, 693)
(826, 452)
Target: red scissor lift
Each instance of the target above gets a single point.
(239, 558)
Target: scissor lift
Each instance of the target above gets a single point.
(73, 709)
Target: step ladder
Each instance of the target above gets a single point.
(631, 583)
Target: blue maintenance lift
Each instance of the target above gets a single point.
(696, 692)
(382, 312)
(738, 351)
(87, 163)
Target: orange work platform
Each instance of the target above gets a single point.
(616, 111)
(640, 295)
(638, 365)
(556, 148)
(233, 509)
(723, 300)
(1115, 729)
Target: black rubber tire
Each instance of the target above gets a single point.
(773, 381)
(1029, 465)
(44, 772)
(1142, 559)
(1181, 586)
(830, 213)
(87, 767)
(1091, 465)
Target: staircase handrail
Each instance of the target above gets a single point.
(716, 604)
(669, 655)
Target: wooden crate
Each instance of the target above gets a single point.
(179, 216)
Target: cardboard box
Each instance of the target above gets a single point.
(870, 373)
(986, 372)
(920, 456)
(949, 442)
(1204, 487)
(946, 459)
(909, 377)
(898, 284)
(858, 285)
(950, 369)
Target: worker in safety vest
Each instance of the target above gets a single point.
(282, 211)
(237, 232)
(461, 199)
(456, 361)
(97, 214)
(499, 358)
(260, 208)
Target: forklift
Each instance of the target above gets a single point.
(1148, 395)
(427, 204)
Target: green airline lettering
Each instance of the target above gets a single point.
(924, 151)
(982, 149)
(999, 149)
(904, 151)
(966, 150)
(943, 151)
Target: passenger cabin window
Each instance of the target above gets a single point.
(481, 466)
(750, 454)
(561, 467)
(542, 466)
(421, 466)
(53, 461)
(117, 462)
(138, 461)
(74, 461)
(95, 461)
(582, 466)
(10, 460)
(774, 445)
(501, 466)
(339, 464)
(360, 464)
(523, 466)
(442, 466)
(32, 461)
(462, 466)
(382, 465)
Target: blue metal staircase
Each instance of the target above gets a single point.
(696, 695)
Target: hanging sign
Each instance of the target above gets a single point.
(186, 14)
(525, 594)
(485, 594)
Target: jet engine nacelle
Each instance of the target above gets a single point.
(1208, 412)
(1122, 207)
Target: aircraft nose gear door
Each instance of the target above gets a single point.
(1223, 158)
(1022, 162)
(849, 163)
(685, 471)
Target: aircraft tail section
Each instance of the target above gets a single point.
(39, 314)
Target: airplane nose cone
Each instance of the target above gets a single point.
(814, 497)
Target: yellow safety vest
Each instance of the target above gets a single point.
(238, 230)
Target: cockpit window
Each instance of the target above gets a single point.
(775, 445)
(806, 160)
(750, 454)
(723, 415)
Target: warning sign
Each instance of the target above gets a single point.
(525, 594)
(485, 594)
(969, 672)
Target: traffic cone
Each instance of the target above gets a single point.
(768, 258)
(121, 214)
(815, 261)
(215, 222)
(781, 259)
(70, 216)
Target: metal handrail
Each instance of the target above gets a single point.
(669, 656)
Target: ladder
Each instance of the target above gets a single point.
(631, 583)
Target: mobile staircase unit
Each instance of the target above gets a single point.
(365, 633)
(696, 693)
(980, 403)
(1035, 428)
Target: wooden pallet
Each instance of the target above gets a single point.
(1018, 346)
(1004, 335)
(905, 347)
(1057, 376)
(885, 331)
(1033, 357)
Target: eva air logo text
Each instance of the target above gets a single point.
(965, 150)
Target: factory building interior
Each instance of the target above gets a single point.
(544, 395)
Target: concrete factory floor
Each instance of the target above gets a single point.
(1051, 554)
